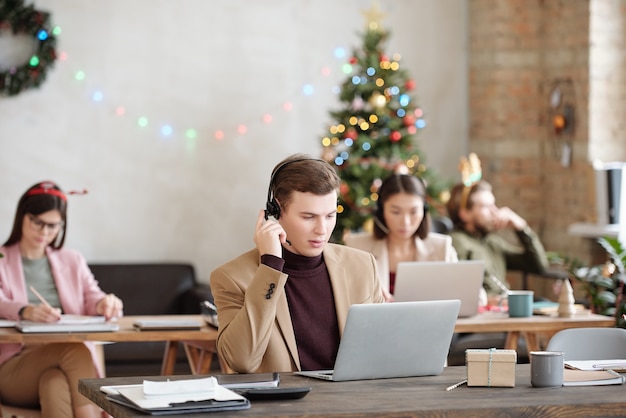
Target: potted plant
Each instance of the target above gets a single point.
(603, 284)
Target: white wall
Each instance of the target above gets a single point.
(208, 65)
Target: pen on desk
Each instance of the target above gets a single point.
(41, 299)
(456, 385)
(609, 366)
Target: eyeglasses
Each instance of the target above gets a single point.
(40, 225)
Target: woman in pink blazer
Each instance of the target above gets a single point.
(47, 375)
(402, 230)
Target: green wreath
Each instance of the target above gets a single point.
(21, 19)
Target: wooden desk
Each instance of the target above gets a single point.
(206, 336)
(530, 327)
(408, 397)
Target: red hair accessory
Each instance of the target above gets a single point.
(48, 187)
(81, 192)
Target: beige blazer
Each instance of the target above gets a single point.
(256, 333)
(436, 247)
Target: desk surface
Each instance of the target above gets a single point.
(417, 396)
(126, 333)
(486, 322)
(500, 322)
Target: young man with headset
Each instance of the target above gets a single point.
(282, 306)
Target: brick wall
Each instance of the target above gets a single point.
(519, 51)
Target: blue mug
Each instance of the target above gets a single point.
(520, 303)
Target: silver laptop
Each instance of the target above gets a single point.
(435, 280)
(400, 339)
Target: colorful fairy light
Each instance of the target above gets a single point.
(308, 89)
(167, 130)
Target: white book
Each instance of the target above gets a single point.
(572, 377)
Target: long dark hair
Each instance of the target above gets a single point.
(40, 198)
(400, 183)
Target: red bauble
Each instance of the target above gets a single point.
(353, 60)
(408, 120)
(344, 189)
(395, 136)
(410, 84)
(350, 133)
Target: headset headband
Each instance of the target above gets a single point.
(272, 208)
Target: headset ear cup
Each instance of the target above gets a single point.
(426, 208)
(272, 208)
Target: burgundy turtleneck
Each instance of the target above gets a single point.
(312, 308)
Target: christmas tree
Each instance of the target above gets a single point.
(374, 134)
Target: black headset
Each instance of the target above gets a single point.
(272, 208)
(379, 217)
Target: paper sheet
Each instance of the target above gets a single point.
(137, 396)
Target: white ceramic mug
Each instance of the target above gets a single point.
(546, 369)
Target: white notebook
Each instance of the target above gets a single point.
(69, 323)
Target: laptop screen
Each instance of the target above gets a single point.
(437, 280)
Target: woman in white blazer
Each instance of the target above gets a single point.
(402, 230)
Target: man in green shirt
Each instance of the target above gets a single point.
(477, 221)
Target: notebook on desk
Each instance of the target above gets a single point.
(29, 327)
(386, 340)
(436, 280)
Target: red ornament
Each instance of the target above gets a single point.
(384, 58)
(344, 189)
(410, 84)
(350, 133)
(395, 136)
(408, 120)
(353, 60)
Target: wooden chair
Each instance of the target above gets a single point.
(590, 343)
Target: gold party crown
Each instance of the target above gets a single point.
(471, 173)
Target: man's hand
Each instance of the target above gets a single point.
(269, 236)
(506, 218)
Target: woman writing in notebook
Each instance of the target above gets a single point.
(402, 230)
(34, 258)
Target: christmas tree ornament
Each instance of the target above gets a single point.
(373, 17)
(358, 103)
(351, 133)
(566, 300)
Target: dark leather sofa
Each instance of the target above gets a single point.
(149, 289)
